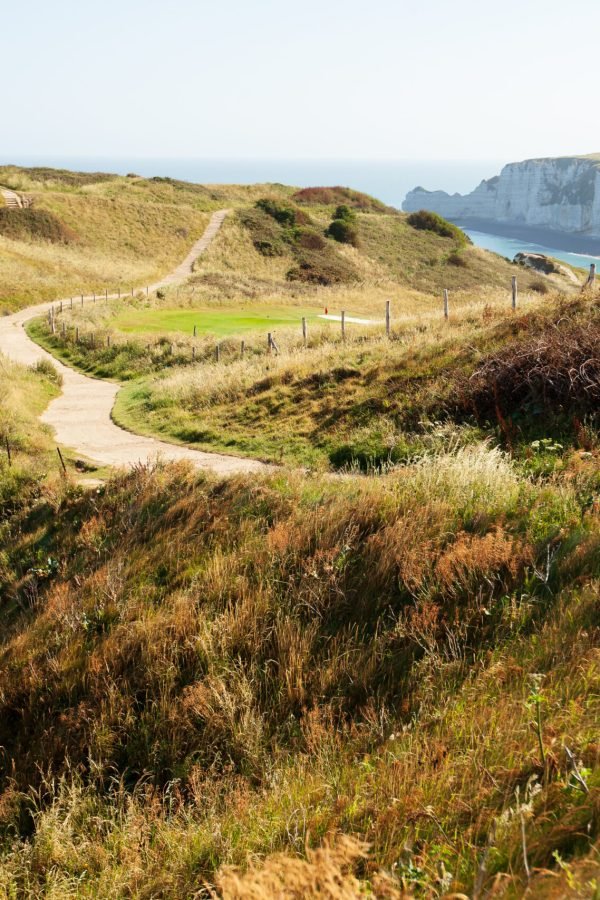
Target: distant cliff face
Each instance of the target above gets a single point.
(562, 194)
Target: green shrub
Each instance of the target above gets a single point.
(46, 368)
(344, 212)
(267, 236)
(343, 231)
(430, 221)
(287, 215)
(278, 229)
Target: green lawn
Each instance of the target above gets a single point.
(220, 322)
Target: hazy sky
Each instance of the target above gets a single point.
(434, 79)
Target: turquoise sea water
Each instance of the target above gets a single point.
(389, 180)
(509, 246)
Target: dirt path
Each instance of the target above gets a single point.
(81, 416)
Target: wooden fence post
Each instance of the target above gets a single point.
(592, 275)
(77, 335)
(304, 330)
(60, 310)
(193, 354)
(108, 340)
(119, 290)
(132, 292)
(269, 342)
(62, 462)
(514, 292)
(217, 353)
(82, 299)
(106, 295)
(242, 349)
(71, 303)
(147, 290)
(446, 304)
(343, 324)
(194, 331)
(64, 330)
(8, 453)
(387, 318)
(94, 296)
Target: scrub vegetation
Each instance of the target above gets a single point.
(376, 678)
(391, 683)
(128, 230)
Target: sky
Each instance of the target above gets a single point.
(298, 79)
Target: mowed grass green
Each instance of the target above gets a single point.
(219, 322)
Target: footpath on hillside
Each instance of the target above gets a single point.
(81, 416)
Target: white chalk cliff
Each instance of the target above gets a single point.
(561, 194)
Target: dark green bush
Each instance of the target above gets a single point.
(345, 212)
(268, 237)
(344, 231)
(287, 215)
(430, 221)
(283, 214)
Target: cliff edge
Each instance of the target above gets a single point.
(562, 194)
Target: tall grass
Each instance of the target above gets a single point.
(235, 670)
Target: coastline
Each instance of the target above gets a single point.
(584, 244)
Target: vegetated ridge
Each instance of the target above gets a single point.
(338, 686)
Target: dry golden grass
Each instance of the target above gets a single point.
(289, 686)
(293, 660)
(131, 232)
(326, 873)
(119, 245)
(269, 405)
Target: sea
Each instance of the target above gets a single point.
(389, 180)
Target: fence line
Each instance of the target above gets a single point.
(272, 346)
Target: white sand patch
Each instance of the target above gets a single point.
(331, 317)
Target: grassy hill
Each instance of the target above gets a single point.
(120, 231)
(91, 232)
(379, 677)
(199, 673)
(275, 261)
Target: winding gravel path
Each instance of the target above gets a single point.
(81, 416)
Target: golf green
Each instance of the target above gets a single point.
(220, 322)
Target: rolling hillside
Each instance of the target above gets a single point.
(371, 669)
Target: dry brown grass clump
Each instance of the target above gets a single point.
(558, 369)
(326, 873)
